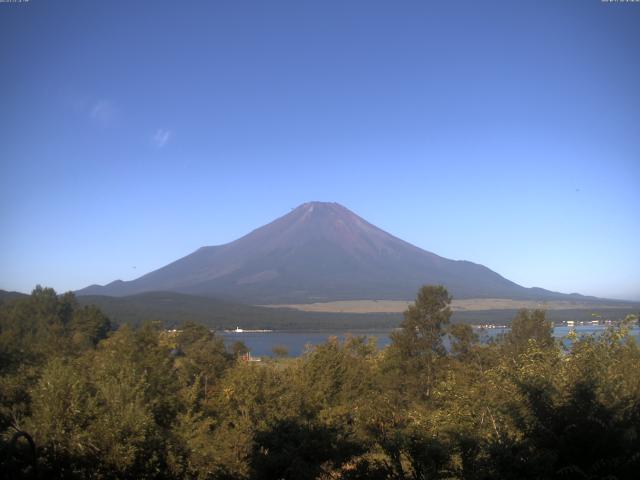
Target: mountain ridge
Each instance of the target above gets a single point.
(320, 251)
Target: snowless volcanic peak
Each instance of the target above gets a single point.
(319, 252)
(331, 222)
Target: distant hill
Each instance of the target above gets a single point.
(320, 252)
(6, 296)
(172, 309)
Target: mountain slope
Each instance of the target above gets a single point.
(319, 252)
(6, 296)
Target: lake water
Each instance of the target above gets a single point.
(262, 343)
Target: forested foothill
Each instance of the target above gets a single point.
(80, 398)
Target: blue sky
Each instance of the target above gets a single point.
(505, 133)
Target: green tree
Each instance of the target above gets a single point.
(529, 325)
(280, 351)
(204, 357)
(417, 347)
(88, 325)
(463, 340)
(239, 348)
(291, 449)
(63, 409)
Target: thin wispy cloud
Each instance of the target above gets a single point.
(103, 112)
(161, 137)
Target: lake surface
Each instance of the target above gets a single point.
(261, 343)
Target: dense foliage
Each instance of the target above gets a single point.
(80, 399)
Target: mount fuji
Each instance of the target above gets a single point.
(321, 252)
